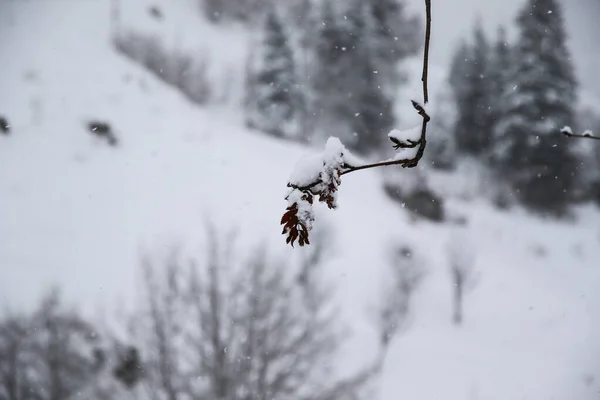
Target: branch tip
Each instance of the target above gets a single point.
(568, 132)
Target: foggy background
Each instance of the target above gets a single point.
(145, 148)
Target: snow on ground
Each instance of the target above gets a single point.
(75, 212)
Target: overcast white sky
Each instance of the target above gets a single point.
(453, 19)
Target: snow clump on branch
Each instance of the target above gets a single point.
(317, 175)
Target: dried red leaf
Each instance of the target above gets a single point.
(293, 227)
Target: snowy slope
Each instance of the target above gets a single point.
(182, 28)
(76, 212)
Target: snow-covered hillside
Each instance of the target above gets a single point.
(76, 212)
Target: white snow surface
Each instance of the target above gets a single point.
(75, 212)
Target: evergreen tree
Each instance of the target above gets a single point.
(457, 77)
(537, 159)
(350, 101)
(273, 96)
(458, 83)
(499, 67)
(374, 117)
(498, 75)
(372, 112)
(330, 74)
(395, 37)
(441, 145)
(474, 121)
(299, 13)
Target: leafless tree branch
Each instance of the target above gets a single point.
(252, 328)
(46, 354)
(585, 135)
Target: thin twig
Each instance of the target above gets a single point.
(585, 135)
(375, 165)
(426, 52)
(347, 169)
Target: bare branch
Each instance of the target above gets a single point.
(297, 220)
(247, 327)
(585, 135)
(426, 51)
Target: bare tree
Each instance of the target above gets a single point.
(46, 355)
(254, 328)
(462, 273)
(407, 274)
(120, 375)
(14, 357)
(158, 326)
(62, 344)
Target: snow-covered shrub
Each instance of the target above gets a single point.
(412, 192)
(426, 204)
(103, 130)
(503, 196)
(128, 368)
(120, 373)
(188, 74)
